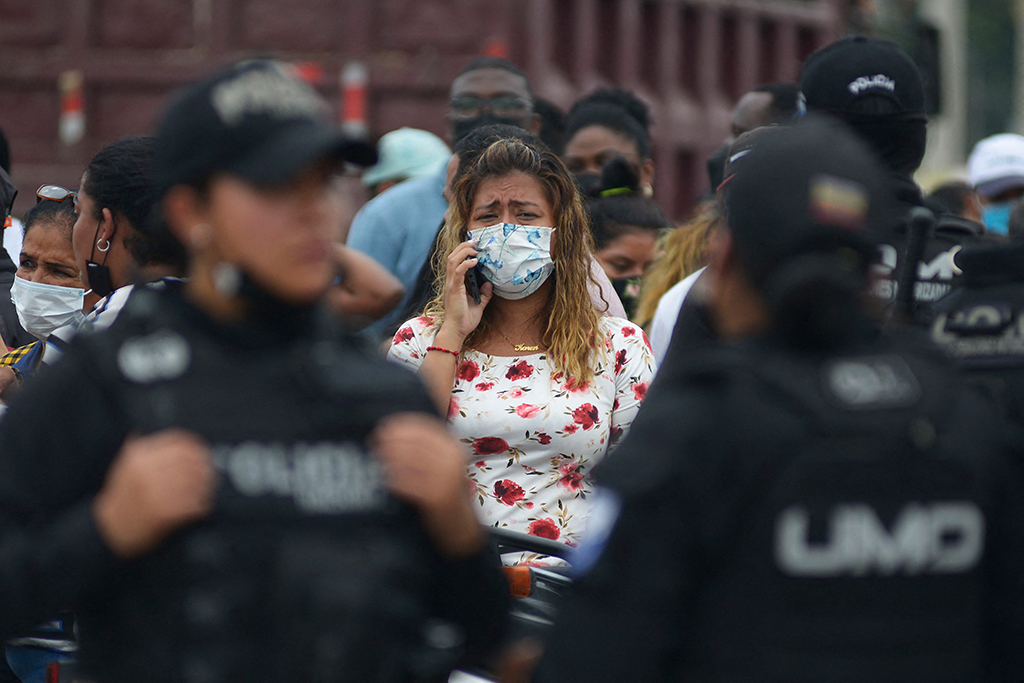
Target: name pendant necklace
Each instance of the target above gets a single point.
(518, 348)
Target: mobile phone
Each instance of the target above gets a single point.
(474, 276)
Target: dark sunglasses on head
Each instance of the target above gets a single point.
(54, 193)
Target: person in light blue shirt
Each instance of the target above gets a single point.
(397, 227)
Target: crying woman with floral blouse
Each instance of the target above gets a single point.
(536, 382)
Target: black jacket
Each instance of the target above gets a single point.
(10, 327)
(796, 518)
(306, 570)
(981, 323)
(936, 273)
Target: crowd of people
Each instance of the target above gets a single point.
(238, 449)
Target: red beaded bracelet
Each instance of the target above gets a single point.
(441, 348)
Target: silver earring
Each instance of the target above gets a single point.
(105, 247)
(227, 279)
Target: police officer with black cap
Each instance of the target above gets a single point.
(222, 485)
(816, 499)
(874, 87)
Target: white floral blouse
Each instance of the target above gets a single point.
(532, 438)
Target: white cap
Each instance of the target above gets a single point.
(996, 164)
(407, 153)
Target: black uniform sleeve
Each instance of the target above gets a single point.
(624, 620)
(1006, 571)
(474, 593)
(56, 441)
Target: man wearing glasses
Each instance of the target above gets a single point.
(397, 228)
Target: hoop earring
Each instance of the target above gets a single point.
(102, 249)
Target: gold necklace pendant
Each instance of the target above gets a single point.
(519, 348)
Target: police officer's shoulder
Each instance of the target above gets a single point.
(677, 436)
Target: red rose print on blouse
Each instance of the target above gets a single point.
(520, 370)
(485, 386)
(628, 331)
(453, 408)
(508, 492)
(585, 416)
(489, 445)
(544, 439)
(403, 335)
(572, 478)
(640, 390)
(575, 385)
(525, 410)
(468, 371)
(570, 429)
(545, 528)
(620, 360)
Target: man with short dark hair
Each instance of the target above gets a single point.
(765, 105)
(397, 228)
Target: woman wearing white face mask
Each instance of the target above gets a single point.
(47, 289)
(535, 380)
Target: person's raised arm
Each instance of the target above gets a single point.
(367, 289)
(461, 316)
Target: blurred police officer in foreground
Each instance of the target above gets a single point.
(222, 485)
(815, 500)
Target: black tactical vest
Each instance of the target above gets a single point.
(855, 547)
(981, 323)
(307, 570)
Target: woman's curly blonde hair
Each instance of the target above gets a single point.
(572, 334)
(682, 253)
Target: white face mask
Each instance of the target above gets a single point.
(516, 259)
(43, 308)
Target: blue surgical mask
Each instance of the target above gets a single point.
(996, 217)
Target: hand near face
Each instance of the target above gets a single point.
(157, 484)
(462, 312)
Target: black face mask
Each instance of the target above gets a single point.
(900, 142)
(98, 274)
(590, 184)
(628, 290)
(464, 127)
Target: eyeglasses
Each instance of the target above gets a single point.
(470, 106)
(54, 193)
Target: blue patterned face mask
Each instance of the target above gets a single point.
(516, 259)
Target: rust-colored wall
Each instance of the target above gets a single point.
(690, 59)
